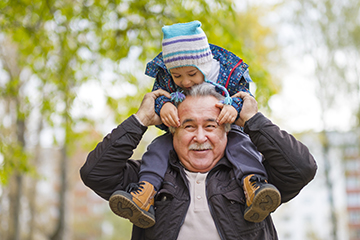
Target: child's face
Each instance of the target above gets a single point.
(186, 77)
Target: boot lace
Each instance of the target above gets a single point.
(257, 180)
(135, 187)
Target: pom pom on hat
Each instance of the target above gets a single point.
(185, 44)
(177, 97)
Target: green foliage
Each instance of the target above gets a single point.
(16, 161)
(51, 49)
(59, 45)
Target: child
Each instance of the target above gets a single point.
(187, 59)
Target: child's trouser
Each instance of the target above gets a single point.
(240, 151)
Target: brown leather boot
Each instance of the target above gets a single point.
(135, 204)
(262, 198)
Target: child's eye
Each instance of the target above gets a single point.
(176, 76)
(192, 74)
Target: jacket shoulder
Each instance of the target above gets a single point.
(233, 66)
(155, 65)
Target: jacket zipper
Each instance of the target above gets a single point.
(181, 171)
(211, 211)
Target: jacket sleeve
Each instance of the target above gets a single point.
(237, 102)
(288, 162)
(107, 167)
(160, 101)
(239, 86)
(163, 81)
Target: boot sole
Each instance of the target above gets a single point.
(265, 201)
(122, 205)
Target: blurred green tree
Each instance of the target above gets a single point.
(49, 49)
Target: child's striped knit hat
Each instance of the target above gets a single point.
(185, 44)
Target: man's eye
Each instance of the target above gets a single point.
(211, 126)
(189, 127)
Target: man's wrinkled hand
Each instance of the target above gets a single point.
(249, 108)
(146, 112)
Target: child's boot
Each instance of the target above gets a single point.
(262, 198)
(135, 204)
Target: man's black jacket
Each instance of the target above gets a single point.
(288, 163)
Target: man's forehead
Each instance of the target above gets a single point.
(191, 102)
(198, 101)
(196, 108)
(191, 120)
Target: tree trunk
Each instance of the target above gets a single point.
(15, 195)
(33, 183)
(60, 231)
(14, 213)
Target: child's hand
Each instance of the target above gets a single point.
(169, 115)
(228, 114)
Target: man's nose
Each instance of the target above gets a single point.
(200, 135)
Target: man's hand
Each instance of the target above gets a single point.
(169, 115)
(249, 108)
(228, 114)
(146, 112)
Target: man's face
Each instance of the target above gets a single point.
(199, 141)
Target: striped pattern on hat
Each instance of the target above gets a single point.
(185, 44)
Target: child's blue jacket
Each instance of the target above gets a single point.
(233, 75)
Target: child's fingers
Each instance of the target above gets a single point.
(174, 122)
(165, 121)
(227, 114)
(219, 105)
(175, 119)
(231, 119)
(171, 120)
(225, 119)
(220, 118)
(224, 114)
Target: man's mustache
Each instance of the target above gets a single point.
(200, 146)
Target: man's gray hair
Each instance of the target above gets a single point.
(203, 90)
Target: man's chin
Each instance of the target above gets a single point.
(200, 153)
(202, 161)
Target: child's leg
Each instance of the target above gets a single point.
(242, 153)
(137, 202)
(262, 198)
(155, 160)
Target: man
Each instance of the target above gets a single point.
(199, 198)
